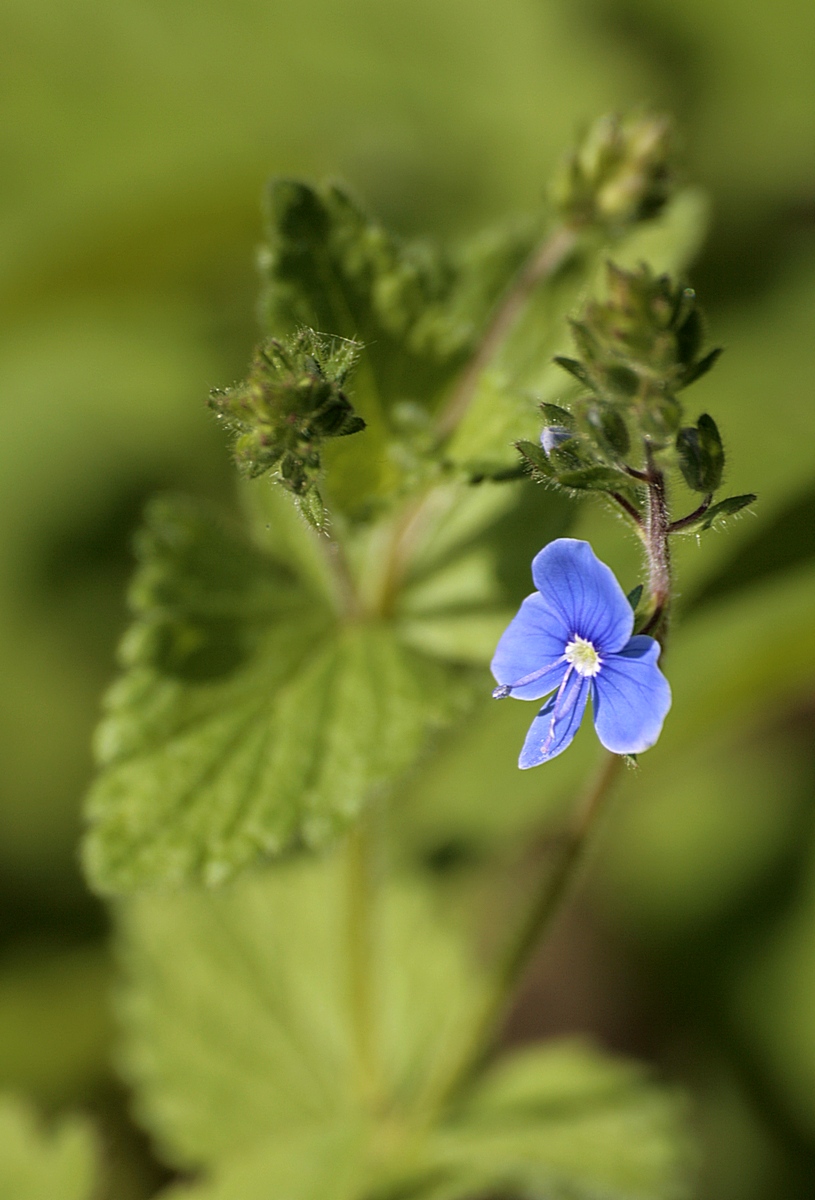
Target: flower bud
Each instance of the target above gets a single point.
(638, 347)
(553, 435)
(608, 429)
(619, 174)
(291, 401)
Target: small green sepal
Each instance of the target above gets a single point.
(553, 414)
(634, 596)
(536, 460)
(609, 429)
(697, 370)
(574, 368)
(594, 479)
(701, 455)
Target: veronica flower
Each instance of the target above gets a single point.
(572, 637)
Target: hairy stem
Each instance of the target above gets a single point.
(657, 529)
(535, 923)
(629, 508)
(545, 262)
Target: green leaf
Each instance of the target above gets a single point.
(35, 1164)
(634, 596)
(718, 513)
(416, 310)
(325, 1161)
(241, 1045)
(567, 1122)
(537, 458)
(700, 368)
(574, 367)
(594, 479)
(238, 1012)
(247, 720)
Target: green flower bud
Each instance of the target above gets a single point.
(619, 174)
(290, 403)
(638, 348)
(608, 429)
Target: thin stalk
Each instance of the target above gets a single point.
(684, 522)
(629, 508)
(535, 923)
(545, 262)
(360, 938)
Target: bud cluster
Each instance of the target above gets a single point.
(639, 347)
(292, 401)
(618, 175)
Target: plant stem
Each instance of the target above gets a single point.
(627, 507)
(544, 262)
(684, 522)
(534, 925)
(657, 528)
(360, 936)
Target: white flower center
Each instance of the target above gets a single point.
(583, 656)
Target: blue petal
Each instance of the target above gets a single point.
(631, 698)
(543, 742)
(531, 641)
(582, 595)
(554, 436)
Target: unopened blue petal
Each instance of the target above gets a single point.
(582, 595)
(542, 743)
(532, 640)
(631, 698)
(554, 436)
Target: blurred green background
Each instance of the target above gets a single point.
(135, 141)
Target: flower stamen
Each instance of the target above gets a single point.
(563, 704)
(504, 689)
(581, 654)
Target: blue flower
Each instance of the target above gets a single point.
(572, 637)
(553, 436)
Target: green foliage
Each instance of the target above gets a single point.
(247, 721)
(239, 1010)
(566, 1121)
(523, 373)
(243, 1043)
(126, 241)
(43, 1165)
(292, 401)
(309, 1028)
(415, 309)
